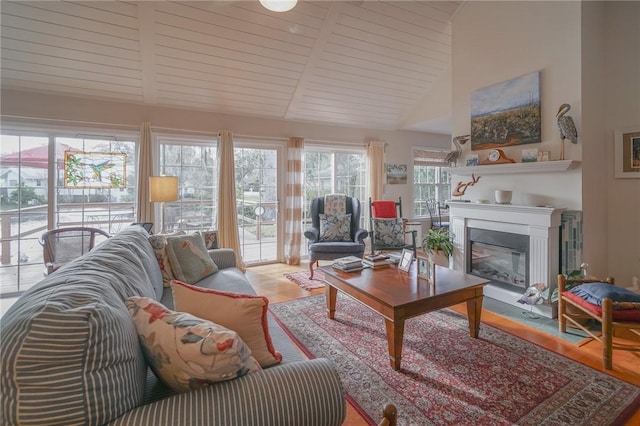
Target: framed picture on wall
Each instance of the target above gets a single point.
(627, 153)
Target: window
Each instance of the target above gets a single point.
(195, 164)
(31, 202)
(431, 179)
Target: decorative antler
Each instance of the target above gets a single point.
(461, 187)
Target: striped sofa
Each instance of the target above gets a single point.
(71, 355)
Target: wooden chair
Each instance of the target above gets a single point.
(433, 207)
(575, 310)
(62, 245)
(389, 209)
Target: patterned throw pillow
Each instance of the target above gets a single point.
(335, 227)
(187, 352)
(246, 314)
(159, 244)
(388, 232)
(189, 259)
(210, 239)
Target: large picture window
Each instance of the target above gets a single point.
(194, 162)
(34, 197)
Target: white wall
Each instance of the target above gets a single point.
(42, 106)
(622, 82)
(589, 56)
(497, 41)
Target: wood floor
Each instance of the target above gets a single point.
(268, 280)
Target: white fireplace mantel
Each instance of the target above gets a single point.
(541, 224)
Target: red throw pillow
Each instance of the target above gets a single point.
(384, 209)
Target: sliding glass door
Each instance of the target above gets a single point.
(257, 189)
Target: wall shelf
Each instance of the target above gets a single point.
(516, 168)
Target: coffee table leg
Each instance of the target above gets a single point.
(395, 333)
(474, 310)
(331, 294)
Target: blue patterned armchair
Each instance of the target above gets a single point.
(334, 245)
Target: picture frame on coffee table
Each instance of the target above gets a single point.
(423, 265)
(405, 260)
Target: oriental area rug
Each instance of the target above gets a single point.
(302, 279)
(448, 378)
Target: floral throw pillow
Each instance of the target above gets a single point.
(189, 259)
(246, 314)
(159, 244)
(335, 227)
(210, 239)
(187, 352)
(388, 232)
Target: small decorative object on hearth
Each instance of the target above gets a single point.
(535, 294)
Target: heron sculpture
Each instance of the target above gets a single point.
(452, 157)
(567, 127)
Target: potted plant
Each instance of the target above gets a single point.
(438, 244)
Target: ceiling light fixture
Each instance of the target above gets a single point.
(279, 5)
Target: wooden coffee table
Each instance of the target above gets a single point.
(398, 296)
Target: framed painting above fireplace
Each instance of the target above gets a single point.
(507, 113)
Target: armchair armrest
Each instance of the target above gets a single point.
(360, 235)
(298, 393)
(312, 234)
(223, 257)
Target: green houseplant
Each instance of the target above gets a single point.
(438, 244)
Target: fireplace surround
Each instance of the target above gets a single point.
(539, 225)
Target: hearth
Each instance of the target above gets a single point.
(502, 257)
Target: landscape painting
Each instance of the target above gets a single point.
(507, 113)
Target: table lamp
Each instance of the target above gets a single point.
(163, 189)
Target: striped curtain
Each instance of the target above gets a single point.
(293, 202)
(228, 236)
(375, 164)
(144, 211)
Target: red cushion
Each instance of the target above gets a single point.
(385, 209)
(618, 314)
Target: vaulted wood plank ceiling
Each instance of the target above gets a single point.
(365, 64)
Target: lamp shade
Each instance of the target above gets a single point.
(163, 188)
(278, 5)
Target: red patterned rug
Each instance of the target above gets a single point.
(302, 279)
(448, 378)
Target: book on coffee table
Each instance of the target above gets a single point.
(375, 257)
(348, 261)
(383, 263)
(349, 268)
